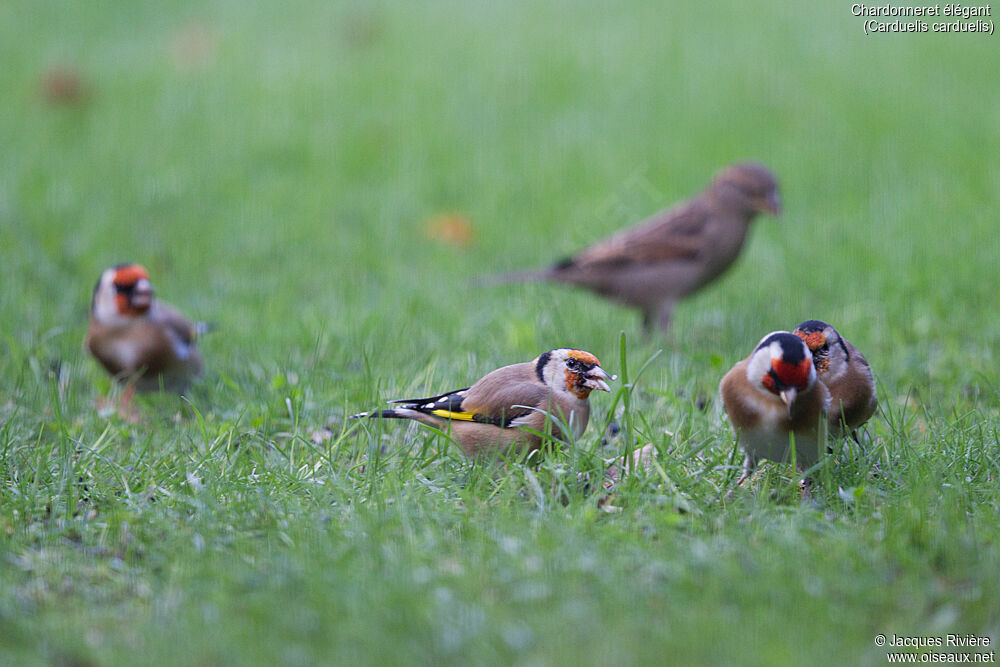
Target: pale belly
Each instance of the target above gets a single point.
(771, 442)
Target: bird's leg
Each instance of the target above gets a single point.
(125, 409)
(647, 322)
(664, 313)
(749, 465)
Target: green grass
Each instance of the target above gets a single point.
(274, 167)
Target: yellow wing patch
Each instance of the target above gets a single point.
(458, 416)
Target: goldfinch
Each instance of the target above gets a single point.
(773, 398)
(845, 372)
(674, 253)
(495, 413)
(141, 341)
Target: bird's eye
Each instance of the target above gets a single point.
(574, 365)
(125, 289)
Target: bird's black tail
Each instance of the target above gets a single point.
(381, 414)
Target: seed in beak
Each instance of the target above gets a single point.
(595, 379)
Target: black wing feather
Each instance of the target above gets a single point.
(451, 400)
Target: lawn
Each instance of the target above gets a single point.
(290, 173)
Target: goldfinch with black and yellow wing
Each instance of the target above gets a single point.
(141, 341)
(773, 398)
(845, 372)
(494, 414)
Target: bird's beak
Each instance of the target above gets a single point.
(771, 204)
(142, 295)
(595, 379)
(788, 396)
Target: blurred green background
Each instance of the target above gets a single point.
(322, 180)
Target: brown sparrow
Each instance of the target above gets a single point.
(674, 253)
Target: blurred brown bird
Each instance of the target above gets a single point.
(674, 253)
(142, 342)
(845, 372)
(492, 415)
(773, 399)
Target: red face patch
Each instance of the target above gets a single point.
(792, 375)
(574, 383)
(813, 340)
(121, 301)
(130, 275)
(126, 278)
(585, 357)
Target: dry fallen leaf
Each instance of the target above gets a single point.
(62, 84)
(452, 228)
(194, 46)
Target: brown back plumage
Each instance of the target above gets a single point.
(853, 400)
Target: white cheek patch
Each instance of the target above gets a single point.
(106, 312)
(760, 364)
(764, 403)
(105, 308)
(555, 374)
